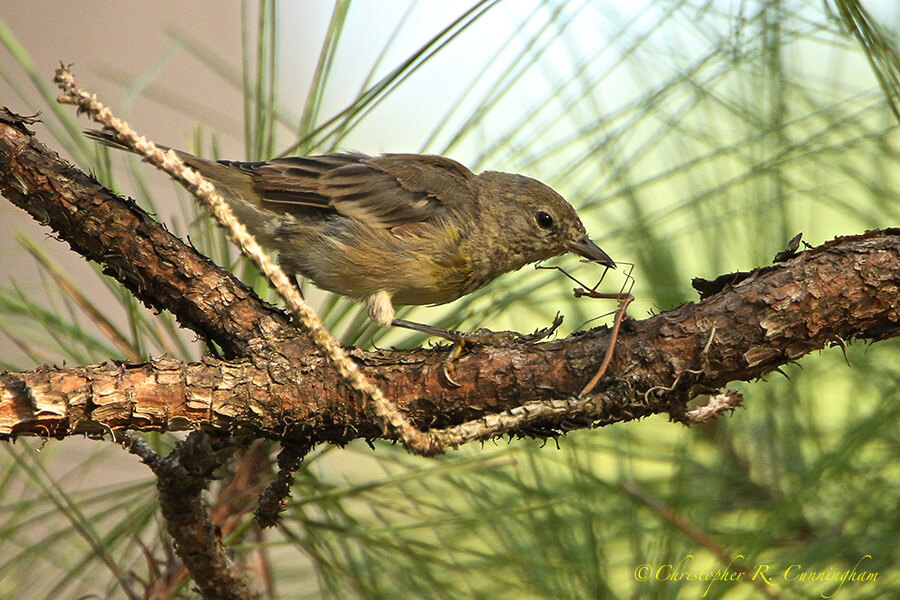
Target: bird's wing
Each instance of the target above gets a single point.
(383, 191)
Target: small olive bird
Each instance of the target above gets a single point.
(396, 228)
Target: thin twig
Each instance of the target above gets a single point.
(182, 476)
(274, 498)
(716, 406)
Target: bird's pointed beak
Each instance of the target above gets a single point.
(591, 251)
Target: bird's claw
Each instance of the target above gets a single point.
(486, 337)
(447, 363)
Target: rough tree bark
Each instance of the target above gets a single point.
(844, 289)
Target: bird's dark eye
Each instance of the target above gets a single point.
(544, 220)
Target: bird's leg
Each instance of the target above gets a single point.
(381, 311)
(298, 283)
(482, 337)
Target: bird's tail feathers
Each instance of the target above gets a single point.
(235, 185)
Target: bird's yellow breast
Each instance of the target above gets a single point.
(423, 263)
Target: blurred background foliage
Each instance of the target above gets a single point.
(694, 136)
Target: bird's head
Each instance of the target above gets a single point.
(534, 221)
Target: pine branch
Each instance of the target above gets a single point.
(278, 387)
